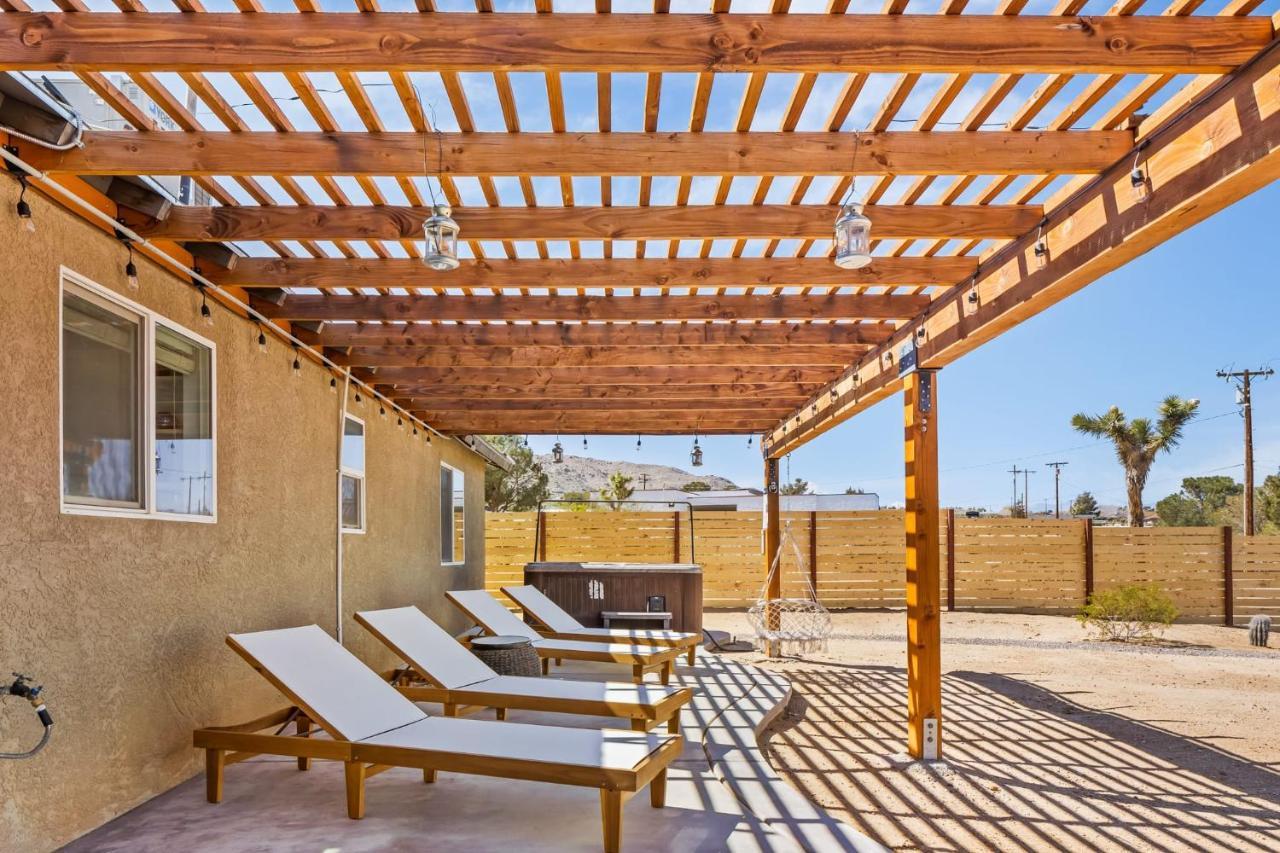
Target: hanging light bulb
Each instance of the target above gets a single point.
(399, 422)
(357, 395)
(750, 438)
(695, 455)
(333, 385)
(1138, 180)
(131, 269)
(23, 209)
(297, 363)
(637, 442)
(1041, 249)
(441, 235)
(557, 453)
(262, 347)
(205, 314)
(584, 442)
(382, 411)
(853, 237)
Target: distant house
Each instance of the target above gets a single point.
(747, 500)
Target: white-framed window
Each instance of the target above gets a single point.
(137, 410)
(351, 480)
(453, 516)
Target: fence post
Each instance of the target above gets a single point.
(1228, 591)
(542, 536)
(813, 552)
(1088, 559)
(675, 534)
(951, 559)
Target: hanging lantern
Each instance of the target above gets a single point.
(441, 235)
(695, 455)
(853, 238)
(557, 453)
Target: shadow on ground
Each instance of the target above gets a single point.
(1027, 769)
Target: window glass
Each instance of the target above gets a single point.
(353, 446)
(184, 424)
(351, 502)
(452, 516)
(101, 403)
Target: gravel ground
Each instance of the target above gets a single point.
(1051, 741)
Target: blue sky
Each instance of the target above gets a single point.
(1163, 324)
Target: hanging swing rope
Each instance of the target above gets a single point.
(794, 625)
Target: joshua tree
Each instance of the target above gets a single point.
(1137, 442)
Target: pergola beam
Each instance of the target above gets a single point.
(1222, 147)
(812, 44)
(686, 396)
(600, 335)
(547, 379)
(327, 273)
(775, 405)
(637, 356)
(906, 152)
(625, 308)
(607, 423)
(386, 222)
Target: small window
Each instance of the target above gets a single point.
(352, 475)
(137, 410)
(452, 516)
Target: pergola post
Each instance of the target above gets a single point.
(924, 653)
(772, 539)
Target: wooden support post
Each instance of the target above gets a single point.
(1088, 559)
(675, 536)
(813, 552)
(542, 536)
(951, 560)
(304, 728)
(1228, 590)
(924, 653)
(772, 541)
(215, 764)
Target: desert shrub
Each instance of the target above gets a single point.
(1124, 613)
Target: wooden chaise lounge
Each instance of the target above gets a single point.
(494, 618)
(458, 679)
(558, 624)
(373, 728)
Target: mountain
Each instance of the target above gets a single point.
(584, 474)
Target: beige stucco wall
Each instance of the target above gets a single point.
(123, 620)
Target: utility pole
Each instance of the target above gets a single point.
(1026, 493)
(1246, 404)
(1057, 477)
(1013, 507)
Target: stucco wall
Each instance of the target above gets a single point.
(124, 620)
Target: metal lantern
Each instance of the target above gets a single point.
(557, 453)
(441, 235)
(853, 238)
(695, 455)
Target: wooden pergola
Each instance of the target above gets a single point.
(1006, 161)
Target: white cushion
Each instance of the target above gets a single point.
(426, 646)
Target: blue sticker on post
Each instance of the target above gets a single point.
(907, 356)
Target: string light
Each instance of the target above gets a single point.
(557, 452)
(399, 422)
(1138, 178)
(130, 268)
(637, 443)
(297, 363)
(750, 438)
(358, 395)
(333, 385)
(584, 442)
(382, 410)
(1042, 248)
(23, 209)
(262, 347)
(695, 455)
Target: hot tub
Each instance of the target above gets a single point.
(586, 590)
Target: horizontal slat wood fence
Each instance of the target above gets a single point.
(855, 559)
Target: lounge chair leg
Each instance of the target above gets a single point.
(611, 815)
(214, 766)
(428, 776)
(639, 724)
(501, 713)
(693, 654)
(450, 709)
(667, 669)
(355, 789)
(304, 726)
(559, 661)
(673, 723)
(546, 666)
(658, 790)
(637, 674)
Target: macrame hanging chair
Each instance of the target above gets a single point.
(790, 625)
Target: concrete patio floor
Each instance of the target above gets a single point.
(721, 795)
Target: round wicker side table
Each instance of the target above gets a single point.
(509, 655)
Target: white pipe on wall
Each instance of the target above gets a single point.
(337, 575)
